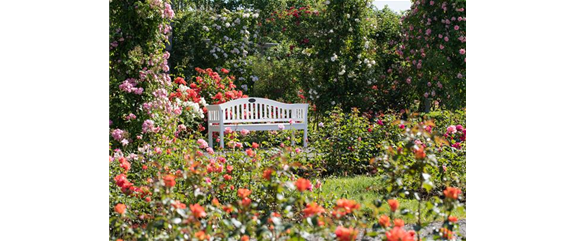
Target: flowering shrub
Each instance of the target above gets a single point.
(351, 144)
(221, 39)
(138, 69)
(174, 188)
(331, 39)
(434, 48)
(208, 87)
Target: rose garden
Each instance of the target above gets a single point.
(385, 155)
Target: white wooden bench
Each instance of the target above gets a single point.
(256, 114)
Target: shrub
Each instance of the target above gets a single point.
(434, 48)
(221, 39)
(276, 77)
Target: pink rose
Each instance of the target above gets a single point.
(244, 132)
(228, 130)
(451, 129)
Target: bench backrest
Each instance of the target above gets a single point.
(256, 110)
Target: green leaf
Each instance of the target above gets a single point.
(372, 234)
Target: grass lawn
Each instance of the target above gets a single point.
(359, 188)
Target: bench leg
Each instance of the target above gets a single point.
(221, 137)
(210, 137)
(305, 137)
(293, 137)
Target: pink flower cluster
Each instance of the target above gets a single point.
(148, 126)
(245, 132)
(202, 143)
(130, 86)
(451, 130)
(131, 116)
(119, 135)
(167, 12)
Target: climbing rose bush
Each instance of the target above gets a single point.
(138, 70)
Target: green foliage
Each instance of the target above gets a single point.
(343, 144)
(276, 77)
(367, 190)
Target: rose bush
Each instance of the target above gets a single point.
(138, 69)
(193, 95)
(180, 189)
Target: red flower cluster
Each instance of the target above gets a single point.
(399, 234)
(345, 206)
(267, 174)
(452, 192)
(197, 211)
(169, 180)
(128, 188)
(446, 234)
(346, 234)
(312, 209)
(393, 204)
(303, 184)
(384, 221)
(124, 164)
(243, 193)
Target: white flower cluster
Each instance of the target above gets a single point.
(313, 94)
(342, 72)
(334, 57)
(369, 63)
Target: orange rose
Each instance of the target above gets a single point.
(197, 211)
(120, 208)
(384, 221)
(250, 152)
(445, 233)
(246, 202)
(399, 234)
(452, 192)
(243, 193)
(267, 174)
(169, 180)
(303, 184)
(420, 154)
(452, 219)
(312, 209)
(245, 238)
(399, 223)
(201, 235)
(346, 234)
(345, 206)
(394, 204)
